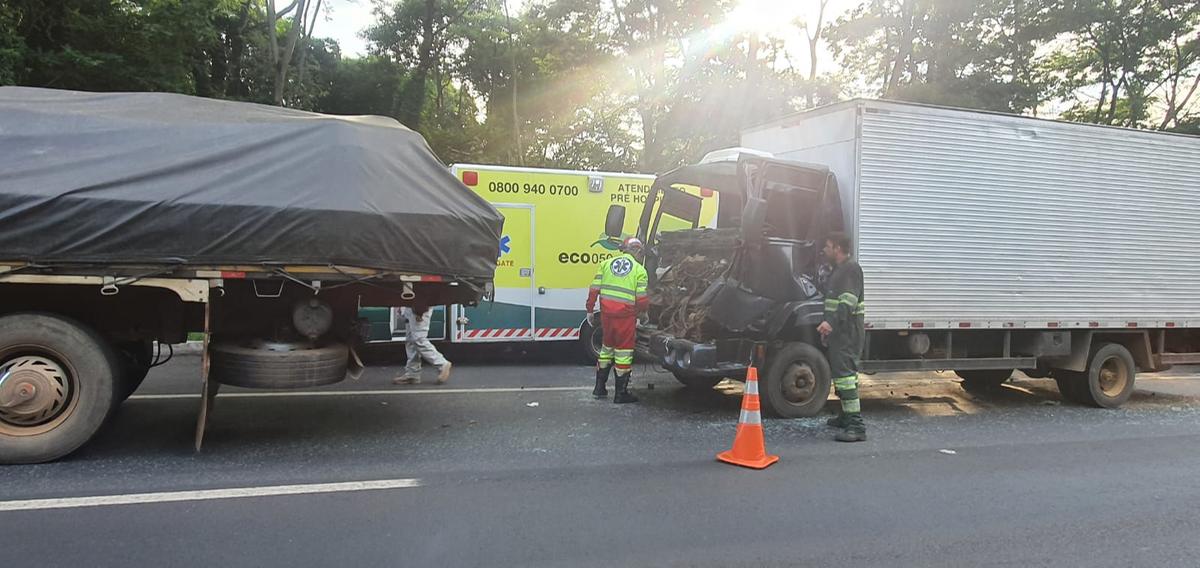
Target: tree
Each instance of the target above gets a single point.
(1139, 55)
(414, 33)
(970, 54)
(1181, 62)
(12, 47)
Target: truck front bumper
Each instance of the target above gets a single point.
(721, 358)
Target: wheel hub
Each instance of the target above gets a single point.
(33, 390)
(1112, 377)
(799, 384)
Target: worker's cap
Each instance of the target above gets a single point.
(633, 243)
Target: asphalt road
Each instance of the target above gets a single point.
(476, 474)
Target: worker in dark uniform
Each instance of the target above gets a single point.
(843, 332)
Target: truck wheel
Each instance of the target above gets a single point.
(984, 378)
(278, 366)
(59, 385)
(696, 381)
(135, 358)
(797, 382)
(1108, 381)
(591, 339)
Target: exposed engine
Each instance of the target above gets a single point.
(691, 261)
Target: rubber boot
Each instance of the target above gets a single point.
(837, 421)
(623, 395)
(855, 430)
(601, 391)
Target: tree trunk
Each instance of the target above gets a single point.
(305, 46)
(814, 40)
(514, 79)
(413, 98)
(272, 30)
(236, 85)
(904, 49)
(285, 60)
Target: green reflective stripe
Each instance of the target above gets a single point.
(848, 299)
(831, 305)
(861, 309)
(851, 406)
(617, 289)
(847, 382)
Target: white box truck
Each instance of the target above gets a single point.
(990, 243)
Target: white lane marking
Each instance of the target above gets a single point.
(397, 391)
(205, 495)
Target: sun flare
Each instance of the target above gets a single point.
(765, 16)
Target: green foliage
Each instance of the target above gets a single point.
(12, 47)
(626, 85)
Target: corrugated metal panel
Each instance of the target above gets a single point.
(994, 220)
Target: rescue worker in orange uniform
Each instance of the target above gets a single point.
(620, 285)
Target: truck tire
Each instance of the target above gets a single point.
(984, 378)
(694, 381)
(796, 384)
(591, 339)
(261, 368)
(135, 357)
(72, 374)
(1108, 381)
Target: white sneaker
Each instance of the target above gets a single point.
(444, 374)
(406, 381)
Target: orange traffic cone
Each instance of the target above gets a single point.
(749, 449)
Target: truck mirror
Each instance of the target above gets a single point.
(754, 217)
(614, 224)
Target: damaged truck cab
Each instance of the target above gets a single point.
(750, 289)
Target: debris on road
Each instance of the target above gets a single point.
(948, 452)
(532, 405)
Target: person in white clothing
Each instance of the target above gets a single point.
(418, 346)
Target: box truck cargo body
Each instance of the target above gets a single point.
(990, 243)
(968, 219)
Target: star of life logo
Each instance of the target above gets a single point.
(621, 267)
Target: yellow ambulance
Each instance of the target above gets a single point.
(553, 239)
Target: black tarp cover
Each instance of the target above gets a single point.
(161, 178)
